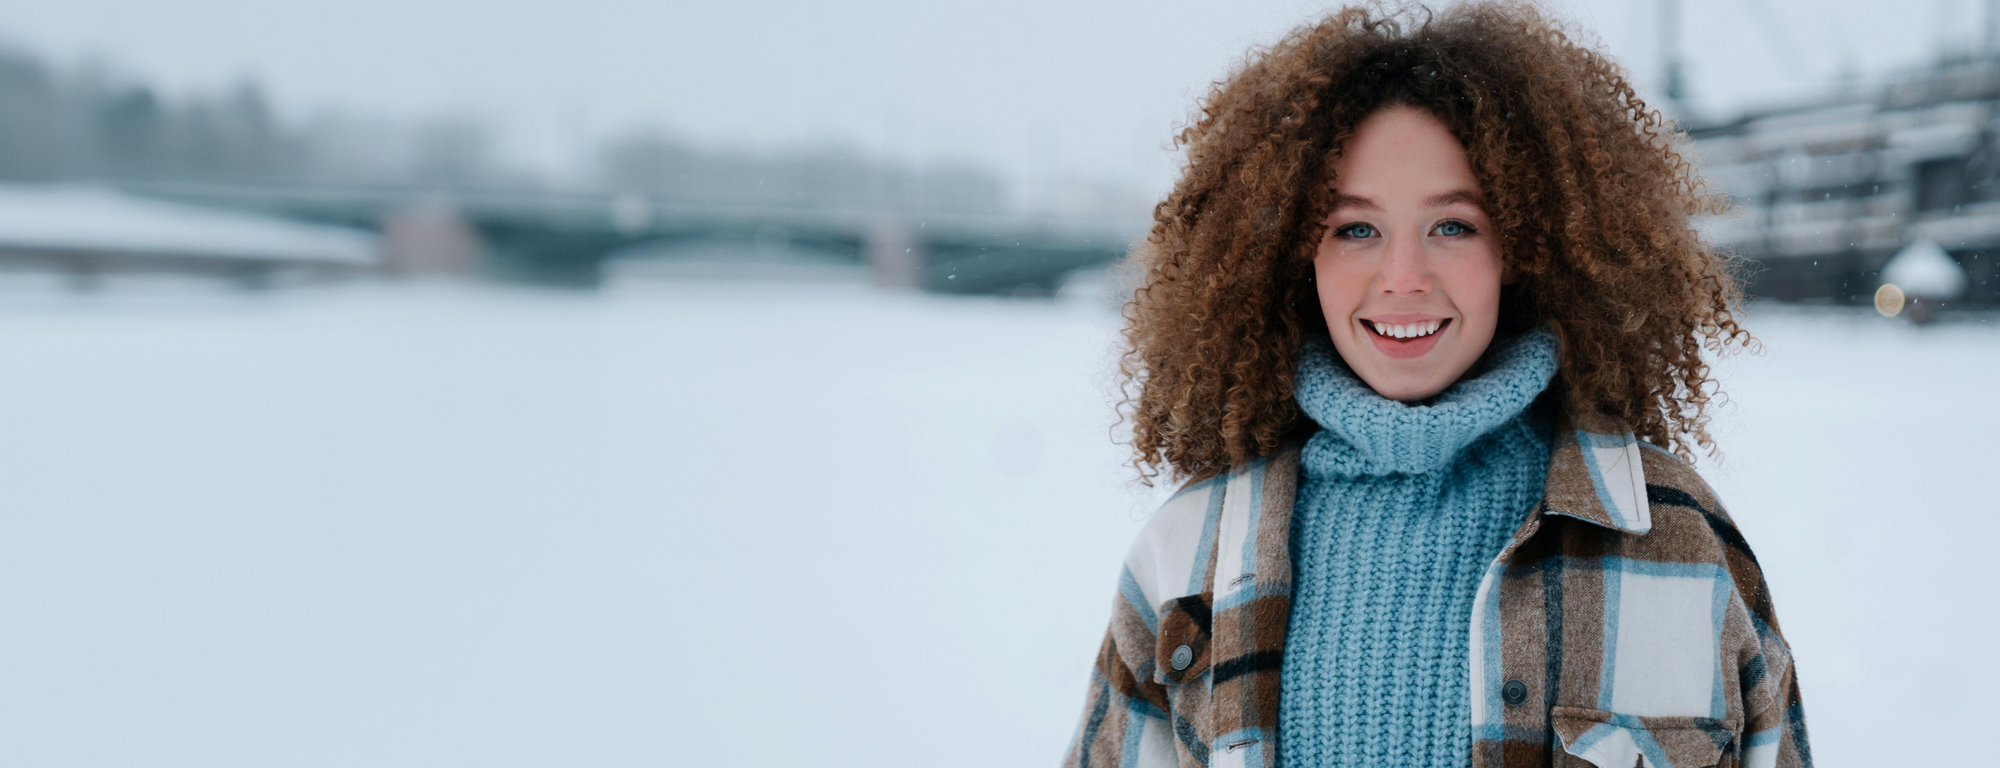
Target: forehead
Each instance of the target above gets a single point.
(1402, 151)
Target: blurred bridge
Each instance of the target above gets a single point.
(565, 238)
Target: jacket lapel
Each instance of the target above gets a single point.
(1252, 584)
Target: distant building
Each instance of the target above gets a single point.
(1830, 190)
(89, 234)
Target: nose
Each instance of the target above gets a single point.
(1405, 269)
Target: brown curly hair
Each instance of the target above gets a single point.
(1589, 196)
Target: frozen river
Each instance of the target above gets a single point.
(432, 526)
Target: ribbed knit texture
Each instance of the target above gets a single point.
(1400, 508)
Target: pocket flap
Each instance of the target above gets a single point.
(1184, 624)
(1612, 740)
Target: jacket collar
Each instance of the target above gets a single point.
(1595, 473)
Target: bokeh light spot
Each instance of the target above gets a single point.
(1889, 300)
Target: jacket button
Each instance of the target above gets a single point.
(1183, 656)
(1514, 692)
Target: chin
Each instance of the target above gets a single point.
(1403, 387)
(1408, 393)
(1404, 379)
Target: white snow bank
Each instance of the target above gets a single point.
(88, 220)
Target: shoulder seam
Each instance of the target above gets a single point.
(1723, 528)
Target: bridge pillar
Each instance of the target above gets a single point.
(895, 253)
(430, 238)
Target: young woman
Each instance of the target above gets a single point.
(1421, 329)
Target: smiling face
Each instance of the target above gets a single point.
(1409, 270)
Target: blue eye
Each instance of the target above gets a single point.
(1455, 228)
(1356, 231)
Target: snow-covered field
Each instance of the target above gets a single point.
(805, 525)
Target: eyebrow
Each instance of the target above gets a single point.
(1466, 196)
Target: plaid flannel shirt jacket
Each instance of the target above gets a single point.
(1626, 623)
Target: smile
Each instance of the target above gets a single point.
(1406, 341)
(1406, 331)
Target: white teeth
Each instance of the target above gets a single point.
(1407, 330)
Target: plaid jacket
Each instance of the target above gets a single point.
(1626, 623)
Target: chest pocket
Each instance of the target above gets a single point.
(1590, 737)
(1183, 650)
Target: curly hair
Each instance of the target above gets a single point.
(1590, 198)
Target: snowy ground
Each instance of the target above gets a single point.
(771, 526)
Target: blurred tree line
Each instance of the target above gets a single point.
(58, 125)
(87, 124)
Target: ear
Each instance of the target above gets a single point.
(1509, 275)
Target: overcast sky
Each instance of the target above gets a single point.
(1033, 87)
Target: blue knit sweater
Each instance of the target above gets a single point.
(1399, 511)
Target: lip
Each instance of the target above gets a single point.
(1403, 349)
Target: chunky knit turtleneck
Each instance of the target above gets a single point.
(1399, 512)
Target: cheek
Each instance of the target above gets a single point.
(1474, 285)
(1338, 293)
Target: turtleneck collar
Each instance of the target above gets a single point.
(1363, 433)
